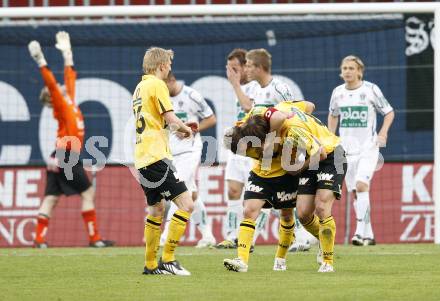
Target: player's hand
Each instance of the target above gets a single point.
(322, 154)
(63, 41)
(194, 126)
(233, 76)
(381, 140)
(185, 132)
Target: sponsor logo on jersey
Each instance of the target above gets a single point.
(354, 117)
(283, 196)
(166, 194)
(182, 116)
(303, 181)
(253, 187)
(324, 176)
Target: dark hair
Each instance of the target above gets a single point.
(256, 126)
(239, 54)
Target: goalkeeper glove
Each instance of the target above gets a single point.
(36, 53)
(63, 44)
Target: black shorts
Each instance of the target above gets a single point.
(159, 182)
(57, 182)
(329, 175)
(278, 192)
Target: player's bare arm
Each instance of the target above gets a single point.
(207, 123)
(332, 123)
(177, 124)
(382, 136)
(234, 78)
(310, 107)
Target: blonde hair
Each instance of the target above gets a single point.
(154, 57)
(358, 61)
(261, 58)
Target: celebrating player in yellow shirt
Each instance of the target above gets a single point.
(317, 154)
(268, 186)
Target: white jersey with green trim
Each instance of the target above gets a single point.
(357, 110)
(275, 92)
(247, 89)
(189, 105)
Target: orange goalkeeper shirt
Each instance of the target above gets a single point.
(65, 111)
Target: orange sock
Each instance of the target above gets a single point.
(40, 232)
(89, 218)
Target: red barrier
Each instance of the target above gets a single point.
(402, 207)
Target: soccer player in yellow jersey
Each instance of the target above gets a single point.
(155, 117)
(267, 187)
(318, 156)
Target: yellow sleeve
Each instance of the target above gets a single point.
(299, 138)
(254, 111)
(300, 105)
(163, 101)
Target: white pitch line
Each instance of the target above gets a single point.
(18, 212)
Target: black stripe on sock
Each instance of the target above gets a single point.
(44, 216)
(180, 217)
(287, 227)
(153, 222)
(309, 222)
(325, 221)
(247, 225)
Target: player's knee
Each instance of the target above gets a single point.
(157, 209)
(323, 209)
(303, 214)
(88, 194)
(362, 187)
(187, 204)
(251, 212)
(234, 193)
(286, 215)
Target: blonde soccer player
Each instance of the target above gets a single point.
(154, 119)
(355, 104)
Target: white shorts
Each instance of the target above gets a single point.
(238, 168)
(361, 167)
(186, 165)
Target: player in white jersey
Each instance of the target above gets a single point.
(355, 104)
(237, 167)
(189, 105)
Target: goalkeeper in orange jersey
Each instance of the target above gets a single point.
(320, 160)
(64, 177)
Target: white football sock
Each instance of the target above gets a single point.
(234, 216)
(260, 223)
(200, 218)
(368, 230)
(362, 206)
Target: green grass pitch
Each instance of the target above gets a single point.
(382, 272)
